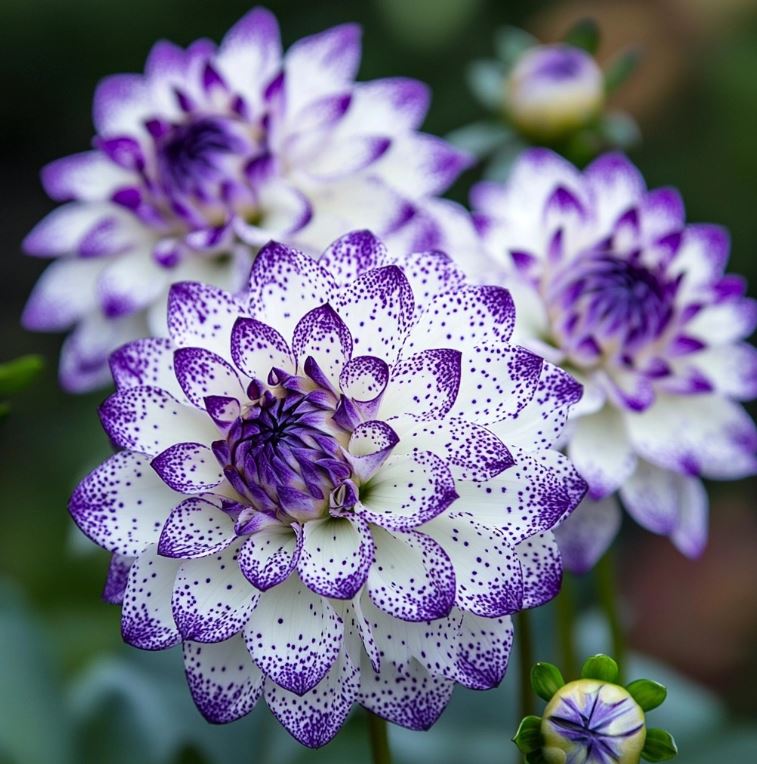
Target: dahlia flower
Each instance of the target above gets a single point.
(208, 155)
(335, 488)
(612, 284)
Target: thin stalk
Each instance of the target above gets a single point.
(565, 612)
(525, 661)
(607, 592)
(377, 732)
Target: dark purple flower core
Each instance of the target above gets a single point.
(284, 453)
(590, 726)
(610, 304)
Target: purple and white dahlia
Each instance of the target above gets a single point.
(335, 488)
(206, 156)
(612, 284)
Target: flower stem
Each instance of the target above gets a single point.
(379, 739)
(565, 611)
(525, 661)
(607, 592)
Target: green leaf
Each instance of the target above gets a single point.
(600, 667)
(646, 693)
(17, 374)
(584, 34)
(620, 69)
(619, 130)
(486, 80)
(546, 680)
(528, 736)
(511, 43)
(659, 745)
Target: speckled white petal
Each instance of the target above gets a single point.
(224, 682)
(118, 575)
(525, 499)
(202, 373)
(430, 274)
(407, 491)
(378, 308)
(601, 451)
(542, 569)
(364, 378)
(146, 362)
(496, 381)
(587, 532)
(149, 420)
(195, 528)
(353, 254)
(270, 555)
(407, 695)
(697, 435)
(294, 636)
(188, 468)
(336, 556)
(202, 316)
(256, 348)
(315, 717)
(146, 618)
(469, 316)
(284, 285)
(321, 335)
(212, 600)
(122, 504)
(487, 570)
(424, 385)
(483, 651)
(412, 577)
(471, 451)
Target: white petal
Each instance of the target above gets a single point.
(587, 532)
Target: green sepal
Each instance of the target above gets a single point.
(535, 757)
(486, 80)
(620, 69)
(602, 668)
(647, 693)
(17, 374)
(619, 130)
(659, 745)
(546, 680)
(528, 736)
(584, 34)
(511, 43)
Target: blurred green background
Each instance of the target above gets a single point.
(69, 691)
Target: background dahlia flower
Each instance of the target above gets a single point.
(209, 154)
(335, 488)
(612, 284)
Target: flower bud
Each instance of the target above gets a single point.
(554, 90)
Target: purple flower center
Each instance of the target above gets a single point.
(191, 154)
(611, 302)
(560, 64)
(283, 454)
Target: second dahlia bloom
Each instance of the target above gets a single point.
(333, 489)
(611, 283)
(206, 156)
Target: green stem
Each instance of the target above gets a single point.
(565, 610)
(526, 660)
(379, 739)
(607, 591)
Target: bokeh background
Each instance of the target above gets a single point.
(69, 691)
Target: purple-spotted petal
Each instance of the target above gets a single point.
(294, 636)
(195, 528)
(412, 578)
(364, 378)
(270, 555)
(118, 575)
(542, 569)
(484, 651)
(256, 348)
(188, 468)
(586, 534)
(147, 362)
(224, 682)
(324, 337)
(122, 504)
(352, 255)
(201, 374)
(211, 599)
(336, 556)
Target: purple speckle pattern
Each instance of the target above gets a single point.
(612, 283)
(317, 502)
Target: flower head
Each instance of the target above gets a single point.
(333, 488)
(593, 720)
(553, 90)
(612, 283)
(206, 156)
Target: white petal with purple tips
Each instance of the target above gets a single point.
(195, 528)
